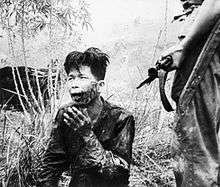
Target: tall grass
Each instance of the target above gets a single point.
(24, 136)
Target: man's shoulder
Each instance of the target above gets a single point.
(116, 110)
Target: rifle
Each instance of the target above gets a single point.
(160, 71)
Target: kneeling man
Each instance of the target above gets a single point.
(90, 137)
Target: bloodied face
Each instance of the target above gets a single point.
(83, 85)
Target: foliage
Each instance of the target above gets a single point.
(35, 15)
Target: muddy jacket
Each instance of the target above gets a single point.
(103, 159)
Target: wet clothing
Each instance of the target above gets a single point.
(198, 109)
(99, 159)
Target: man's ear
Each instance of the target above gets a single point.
(101, 85)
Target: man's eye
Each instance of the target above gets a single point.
(70, 78)
(84, 77)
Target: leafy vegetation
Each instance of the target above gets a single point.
(34, 15)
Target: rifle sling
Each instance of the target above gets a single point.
(162, 80)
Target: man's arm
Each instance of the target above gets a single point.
(54, 160)
(207, 17)
(208, 14)
(113, 161)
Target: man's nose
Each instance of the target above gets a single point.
(74, 86)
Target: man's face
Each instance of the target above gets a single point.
(82, 85)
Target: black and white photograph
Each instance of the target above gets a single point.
(100, 93)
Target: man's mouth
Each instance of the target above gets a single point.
(77, 96)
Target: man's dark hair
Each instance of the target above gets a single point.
(92, 57)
